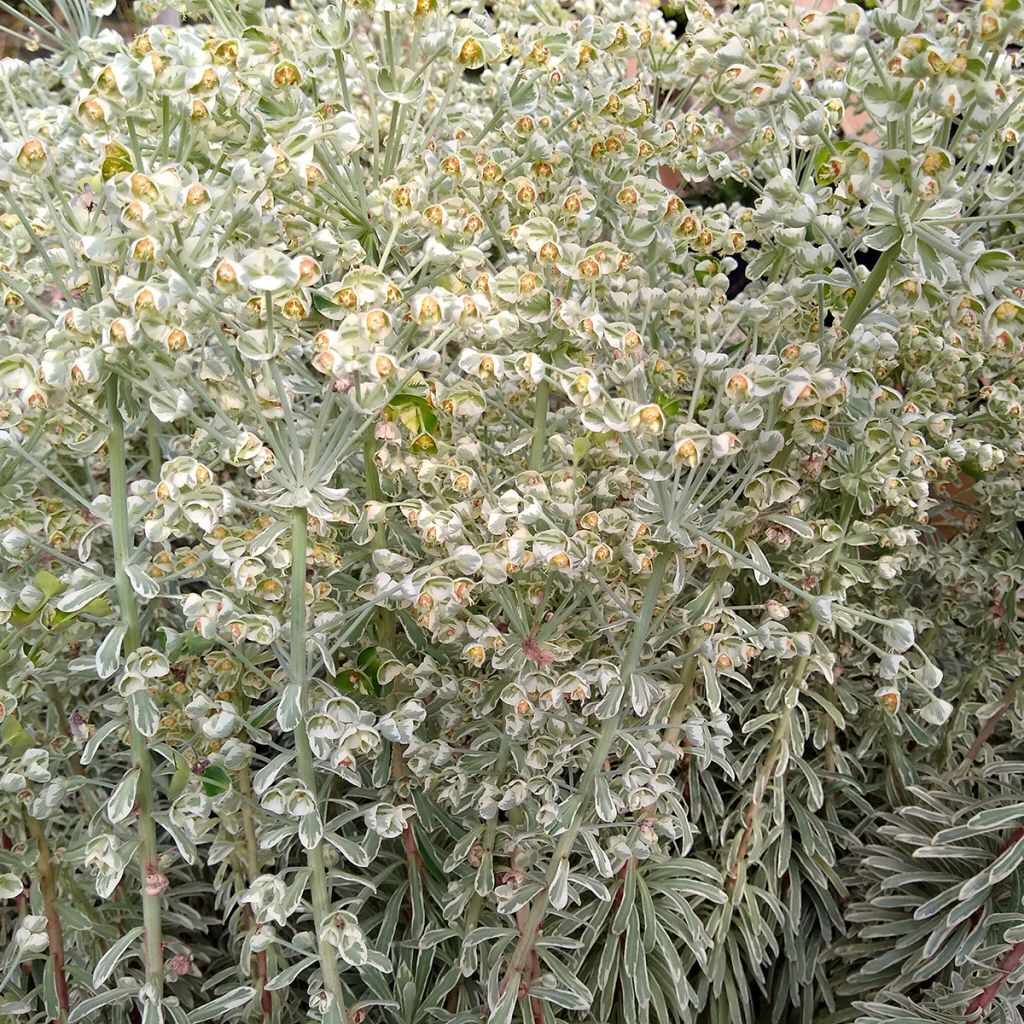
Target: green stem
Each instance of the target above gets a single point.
(867, 290)
(299, 676)
(386, 634)
(122, 542)
(540, 425)
(605, 741)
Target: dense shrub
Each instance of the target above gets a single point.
(457, 566)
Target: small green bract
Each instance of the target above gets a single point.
(512, 512)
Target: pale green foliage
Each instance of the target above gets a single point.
(432, 593)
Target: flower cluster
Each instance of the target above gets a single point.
(512, 511)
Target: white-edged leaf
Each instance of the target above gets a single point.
(558, 997)
(284, 978)
(997, 817)
(122, 800)
(152, 1013)
(181, 839)
(108, 654)
(87, 1007)
(265, 777)
(794, 525)
(569, 983)
(604, 802)
(97, 738)
(478, 935)
(265, 538)
(10, 886)
(505, 1007)
(349, 849)
(311, 829)
(519, 897)
(178, 1015)
(289, 708)
(144, 713)
(229, 1001)
(106, 963)
(597, 854)
(757, 556)
(377, 961)
(559, 890)
(142, 584)
(435, 936)
(76, 598)
(1007, 862)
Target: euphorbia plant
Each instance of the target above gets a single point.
(451, 575)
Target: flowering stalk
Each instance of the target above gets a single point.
(781, 733)
(298, 676)
(151, 879)
(386, 633)
(531, 929)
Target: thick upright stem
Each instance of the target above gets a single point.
(386, 633)
(298, 675)
(780, 737)
(606, 739)
(54, 932)
(122, 542)
(986, 997)
(540, 425)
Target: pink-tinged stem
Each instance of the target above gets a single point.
(54, 932)
(984, 999)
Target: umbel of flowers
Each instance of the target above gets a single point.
(508, 513)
